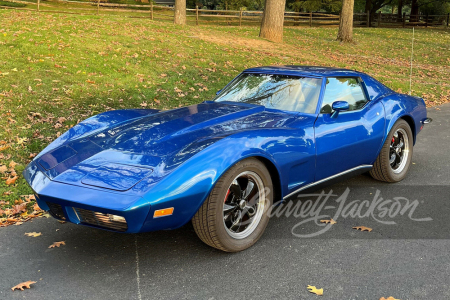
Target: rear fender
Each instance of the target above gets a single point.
(412, 109)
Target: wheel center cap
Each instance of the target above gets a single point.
(242, 204)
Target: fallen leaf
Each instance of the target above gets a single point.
(389, 298)
(314, 290)
(56, 244)
(363, 228)
(23, 285)
(33, 234)
(19, 208)
(11, 180)
(29, 198)
(328, 221)
(12, 164)
(3, 169)
(47, 215)
(20, 141)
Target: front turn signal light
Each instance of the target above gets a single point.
(163, 212)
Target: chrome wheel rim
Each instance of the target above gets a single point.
(244, 205)
(399, 151)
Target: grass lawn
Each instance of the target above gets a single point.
(56, 70)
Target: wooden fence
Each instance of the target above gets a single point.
(227, 17)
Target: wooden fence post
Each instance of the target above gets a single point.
(404, 20)
(240, 17)
(448, 18)
(310, 19)
(151, 9)
(196, 15)
(39, 2)
(98, 6)
(379, 18)
(368, 18)
(426, 21)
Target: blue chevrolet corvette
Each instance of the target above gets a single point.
(271, 133)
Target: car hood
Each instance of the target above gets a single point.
(168, 132)
(146, 148)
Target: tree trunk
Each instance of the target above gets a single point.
(180, 12)
(367, 8)
(414, 11)
(345, 33)
(399, 11)
(272, 20)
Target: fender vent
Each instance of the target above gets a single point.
(56, 210)
(101, 220)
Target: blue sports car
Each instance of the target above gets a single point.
(270, 133)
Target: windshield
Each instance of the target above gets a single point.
(274, 91)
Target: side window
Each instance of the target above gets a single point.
(343, 89)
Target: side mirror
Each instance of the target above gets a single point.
(338, 106)
(218, 92)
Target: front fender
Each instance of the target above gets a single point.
(187, 187)
(96, 123)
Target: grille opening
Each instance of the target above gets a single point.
(56, 210)
(100, 220)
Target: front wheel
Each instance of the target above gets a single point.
(234, 215)
(393, 162)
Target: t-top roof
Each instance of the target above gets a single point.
(303, 70)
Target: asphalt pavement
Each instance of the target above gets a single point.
(406, 255)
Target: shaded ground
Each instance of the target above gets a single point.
(408, 260)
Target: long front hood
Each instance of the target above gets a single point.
(145, 149)
(168, 132)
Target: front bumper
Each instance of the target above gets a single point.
(129, 221)
(92, 207)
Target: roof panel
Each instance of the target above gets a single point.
(304, 70)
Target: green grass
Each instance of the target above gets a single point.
(11, 4)
(76, 66)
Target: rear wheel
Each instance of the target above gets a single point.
(235, 215)
(394, 159)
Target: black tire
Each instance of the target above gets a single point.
(382, 169)
(208, 222)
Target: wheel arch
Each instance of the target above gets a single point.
(274, 175)
(411, 124)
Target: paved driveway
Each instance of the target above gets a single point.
(407, 260)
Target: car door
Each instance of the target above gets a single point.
(352, 138)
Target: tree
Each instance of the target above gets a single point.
(345, 33)
(400, 10)
(272, 20)
(180, 12)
